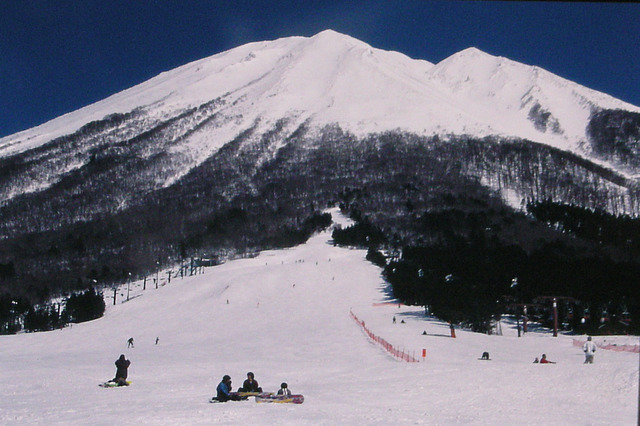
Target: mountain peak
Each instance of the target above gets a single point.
(335, 40)
(471, 52)
(333, 78)
(330, 34)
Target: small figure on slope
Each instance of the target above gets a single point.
(130, 342)
(544, 360)
(589, 349)
(284, 390)
(122, 365)
(250, 385)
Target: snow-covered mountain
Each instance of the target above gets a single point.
(260, 137)
(334, 78)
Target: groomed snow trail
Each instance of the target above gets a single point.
(285, 316)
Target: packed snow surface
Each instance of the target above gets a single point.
(285, 315)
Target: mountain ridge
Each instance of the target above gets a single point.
(331, 77)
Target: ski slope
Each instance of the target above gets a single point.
(285, 315)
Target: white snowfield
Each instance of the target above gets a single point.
(285, 315)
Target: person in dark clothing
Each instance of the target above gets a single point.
(122, 365)
(250, 385)
(224, 390)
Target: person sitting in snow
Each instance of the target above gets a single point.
(284, 390)
(250, 385)
(224, 390)
(544, 360)
(122, 365)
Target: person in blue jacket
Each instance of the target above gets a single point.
(224, 390)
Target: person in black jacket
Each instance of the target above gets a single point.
(250, 385)
(122, 364)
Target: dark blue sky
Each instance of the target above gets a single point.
(57, 56)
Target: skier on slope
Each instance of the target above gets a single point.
(250, 385)
(589, 349)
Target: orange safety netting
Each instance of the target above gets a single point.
(399, 354)
(611, 346)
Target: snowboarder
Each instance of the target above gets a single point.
(589, 349)
(224, 390)
(130, 342)
(284, 390)
(122, 365)
(394, 319)
(544, 360)
(250, 385)
(485, 355)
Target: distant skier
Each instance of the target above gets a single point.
(284, 390)
(122, 366)
(130, 342)
(251, 384)
(589, 349)
(157, 340)
(224, 390)
(544, 360)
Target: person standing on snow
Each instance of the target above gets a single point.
(589, 349)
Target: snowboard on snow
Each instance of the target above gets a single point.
(243, 396)
(252, 393)
(112, 384)
(281, 399)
